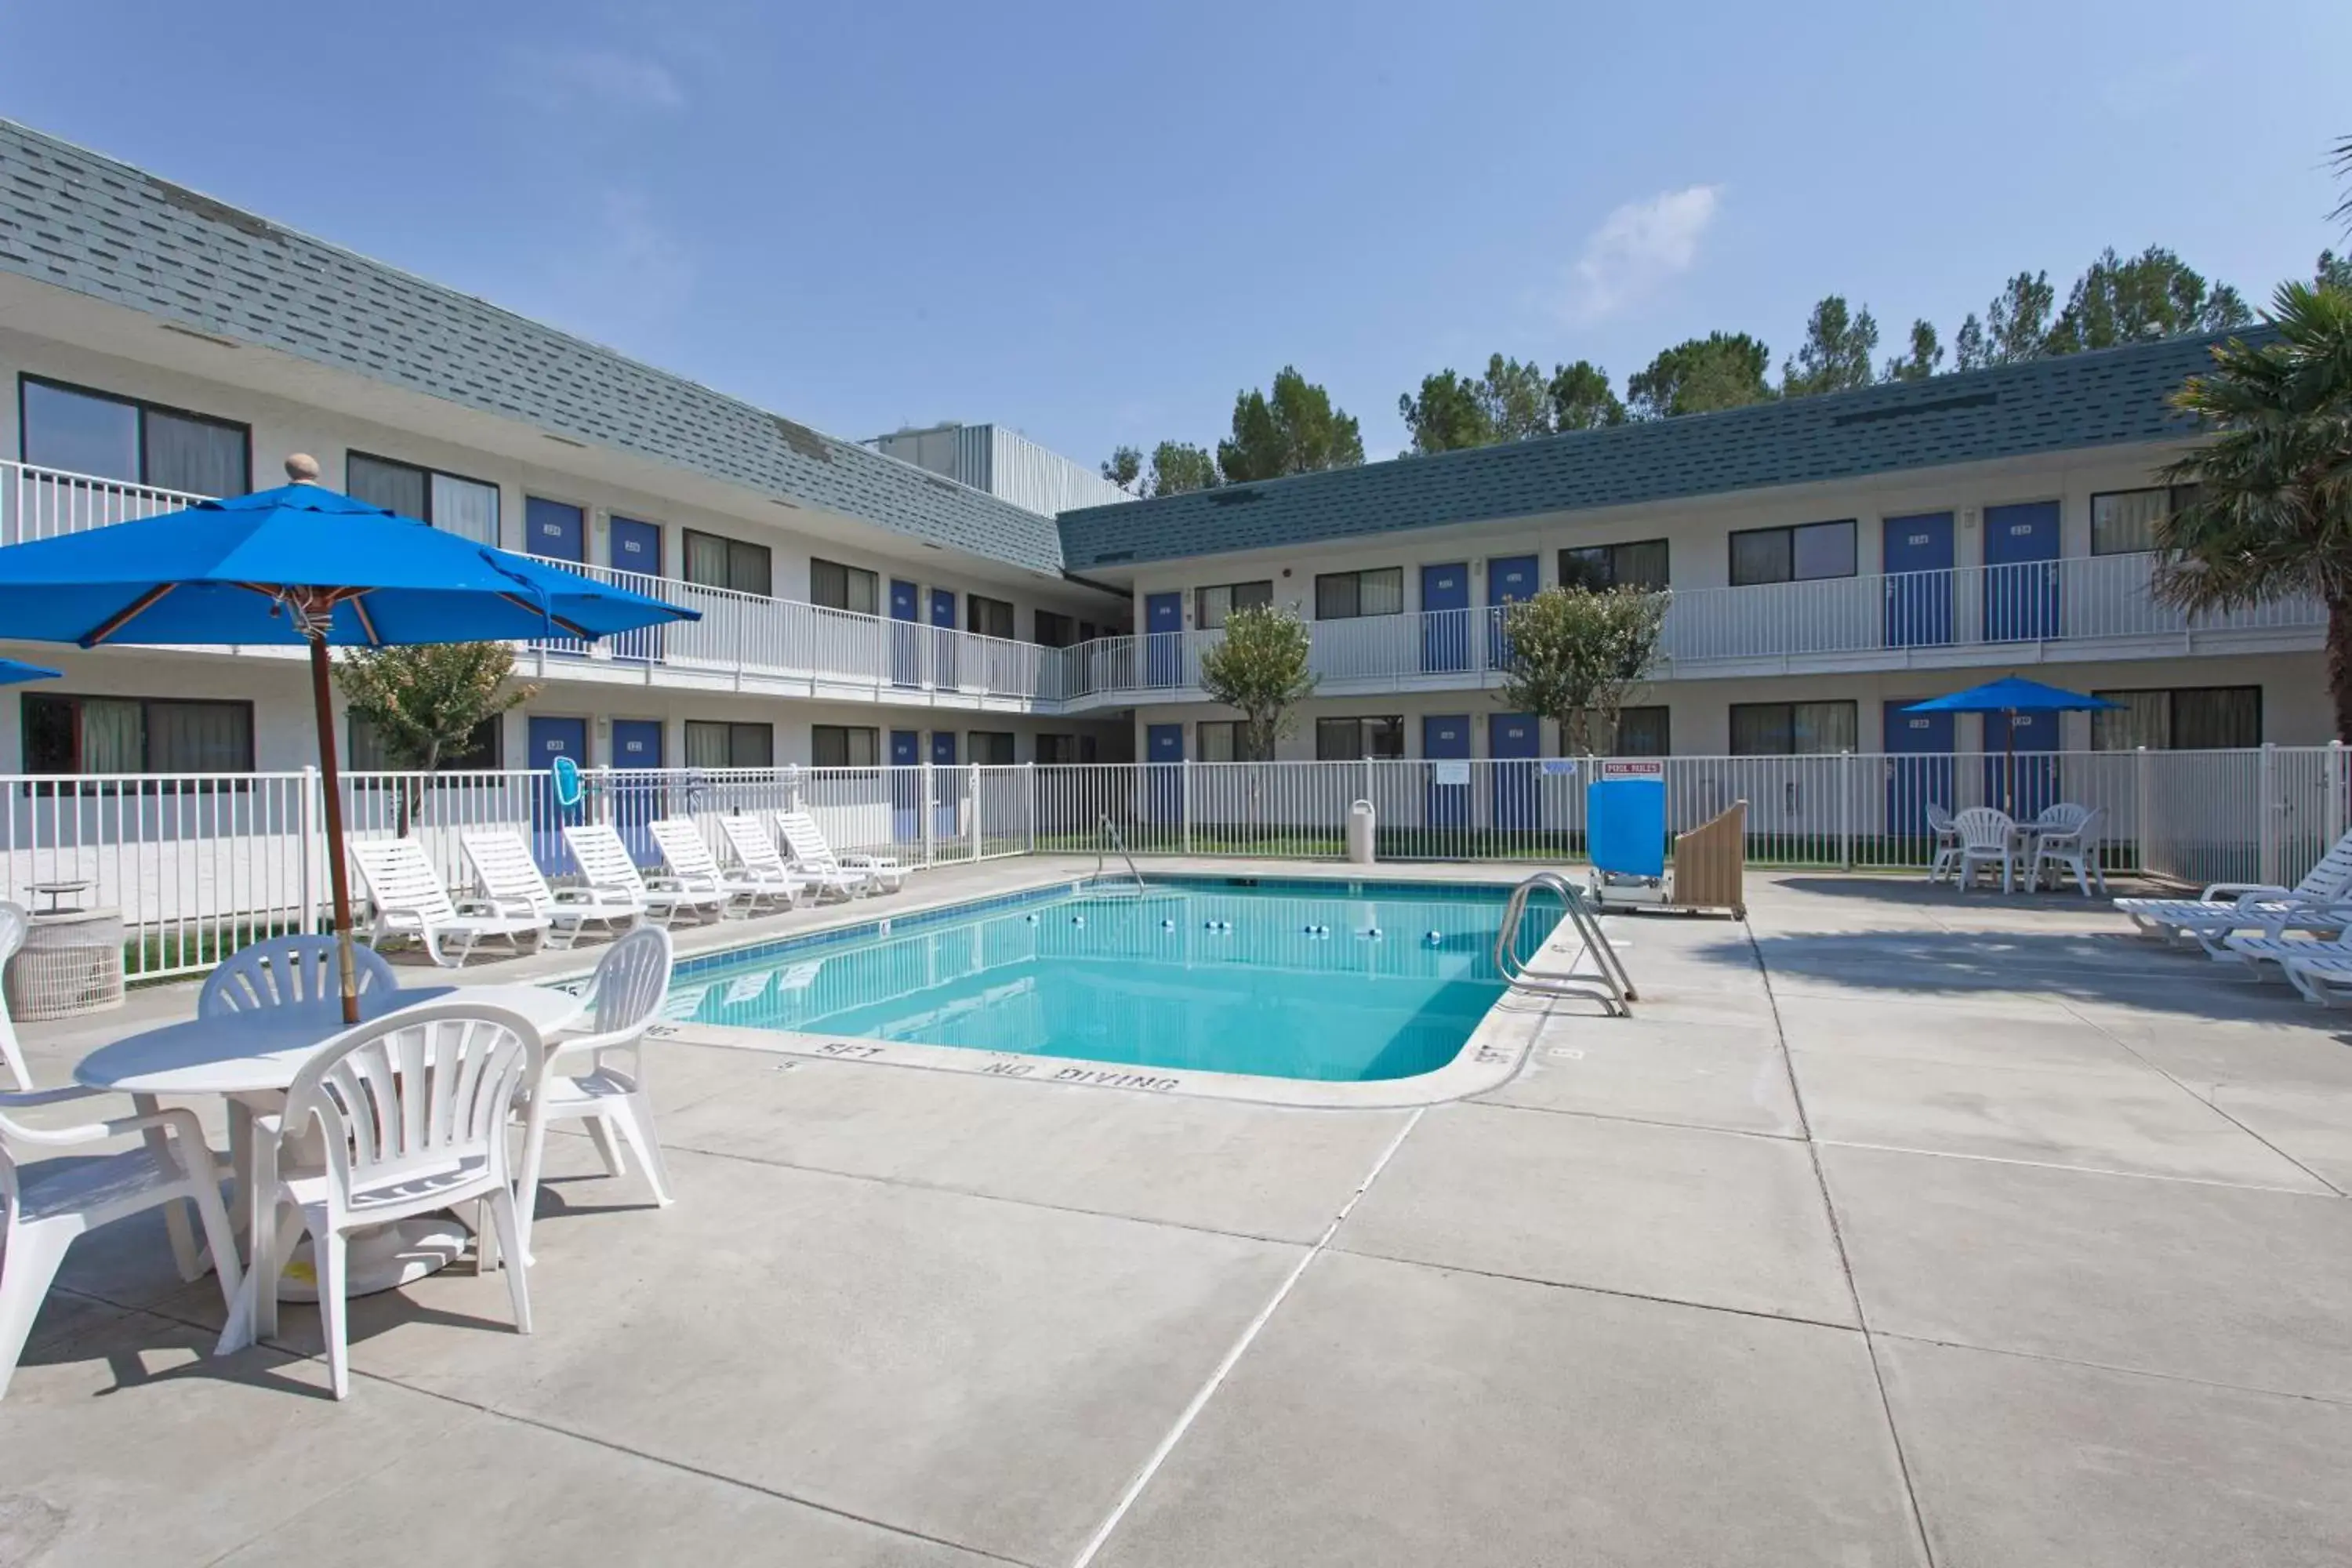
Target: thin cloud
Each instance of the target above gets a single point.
(632, 283)
(1637, 247)
(605, 78)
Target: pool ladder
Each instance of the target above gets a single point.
(1098, 883)
(1608, 983)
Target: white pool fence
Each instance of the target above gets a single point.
(200, 864)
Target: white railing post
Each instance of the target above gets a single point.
(2274, 813)
(309, 814)
(2141, 803)
(1030, 835)
(931, 809)
(1845, 809)
(971, 805)
(1185, 802)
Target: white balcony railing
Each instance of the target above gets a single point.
(789, 645)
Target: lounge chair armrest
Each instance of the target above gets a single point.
(2239, 892)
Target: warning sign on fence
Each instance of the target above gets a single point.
(1634, 768)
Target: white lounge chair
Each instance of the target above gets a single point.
(2323, 974)
(2258, 950)
(13, 923)
(1948, 843)
(757, 857)
(2067, 839)
(2311, 905)
(599, 1077)
(53, 1201)
(511, 880)
(611, 871)
(410, 900)
(810, 853)
(411, 1109)
(698, 870)
(1988, 838)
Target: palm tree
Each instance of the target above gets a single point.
(2272, 513)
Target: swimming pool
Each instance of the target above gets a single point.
(1323, 981)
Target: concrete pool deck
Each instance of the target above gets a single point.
(1894, 1228)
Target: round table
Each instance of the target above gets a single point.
(250, 1058)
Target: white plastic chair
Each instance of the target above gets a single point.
(599, 1077)
(411, 1110)
(1988, 838)
(2323, 974)
(409, 900)
(815, 856)
(611, 871)
(759, 861)
(512, 883)
(2068, 837)
(52, 1202)
(2311, 905)
(13, 923)
(698, 870)
(1948, 843)
(287, 972)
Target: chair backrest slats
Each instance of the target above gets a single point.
(503, 865)
(631, 981)
(806, 840)
(682, 844)
(13, 923)
(400, 876)
(2333, 875)
(1984, 828)
(287, 972)
(748, 837)
(604, 860)
(419, 1091)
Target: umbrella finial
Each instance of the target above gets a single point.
(302, 469)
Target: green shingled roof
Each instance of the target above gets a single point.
(84, 222)
(2047, 406)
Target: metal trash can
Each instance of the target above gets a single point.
(1359, 834)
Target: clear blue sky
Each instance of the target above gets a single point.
(1096, 222)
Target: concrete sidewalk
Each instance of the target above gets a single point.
(1895, 1227)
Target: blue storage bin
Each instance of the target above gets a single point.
(1625, 825)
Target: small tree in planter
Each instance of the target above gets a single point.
(1577, 656)
(1260, 670)
(426, 698)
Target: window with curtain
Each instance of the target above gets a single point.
(1352, 739)
(2124, 522)
(716, 562)
(480, 749)
(992, 748)
(449, 501)
(1056, 630)
(1212, 605)
(711, 743)
(1642, 732)
(1637, 564)
(111, 437)
(2184, 718)
(1792, 729)
(840, 588)
(989, 617)
(1347, 595)
(843, 746)
(68, 734)
(1815, 550)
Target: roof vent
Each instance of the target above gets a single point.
(1906, 411)
(1235, 495)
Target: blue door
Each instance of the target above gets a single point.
(1509, 579)
(550, 739)
(949, 790)
(635, 548)
(1515, 741)
(906, 783)
(1446, 617)
(906, 642)
(1163, 639)
(943, 647)
(1918, 555)
(2025, 784)
(636, 786)
(1163, 746)
(552, 529)
(2021, 553)
(1447, 738)
(1918, 770)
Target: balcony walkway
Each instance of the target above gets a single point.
(1894, 1221)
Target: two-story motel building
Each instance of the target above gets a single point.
(1830, 558)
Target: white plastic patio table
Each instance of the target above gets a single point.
(251, 1058)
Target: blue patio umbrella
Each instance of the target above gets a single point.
(304, 565)
(2012, 695)
(16, 671)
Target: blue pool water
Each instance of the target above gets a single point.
(1279, 979)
